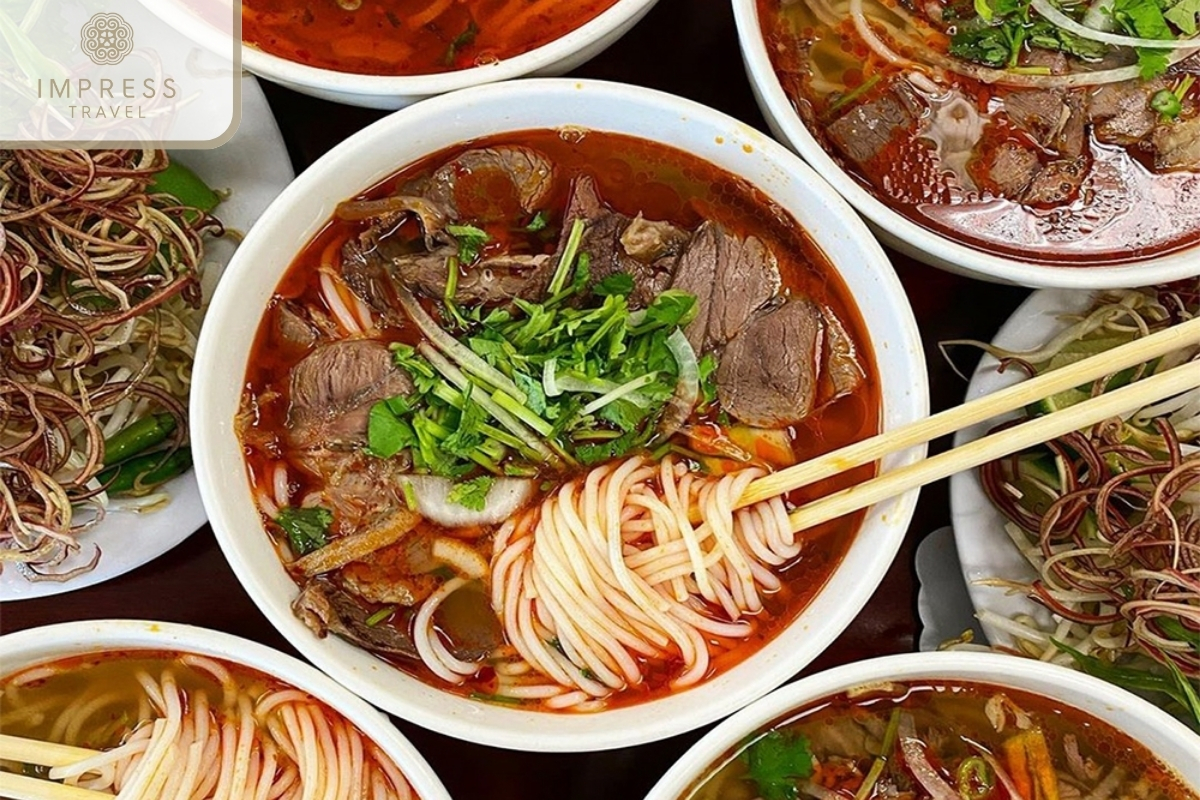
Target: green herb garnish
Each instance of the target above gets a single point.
(472, 494)
(307, 529)
(775, 761)
(470, 241)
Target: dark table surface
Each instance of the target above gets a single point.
(687, 47)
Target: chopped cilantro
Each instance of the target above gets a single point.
(775, 761)
(466, 436)
(472, 494)
(470, 241)
(540, 220)
(387, 433)
(708, 379)
(672, 308)
(1184, 14)
(307, 529)
(617, 283)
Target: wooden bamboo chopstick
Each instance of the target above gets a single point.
(23, 787)
(998, 445)
(1008, 399)
(43, 754)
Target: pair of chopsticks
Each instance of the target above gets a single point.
(42, 754)
(988, 448)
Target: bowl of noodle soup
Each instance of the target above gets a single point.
(558, 40)
(949, 162)
(676, 662)
(158, 700)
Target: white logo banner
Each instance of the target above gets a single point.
(119, 73)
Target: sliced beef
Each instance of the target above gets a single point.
(768, 374)
(326, 609)
(747, 278)
(292, 327)
(1177, 145)
(1011, 167)
(1054, 118)
(333, 389)
(488, 282)
(862, 132)
(842, 372)
(695, 273)
(604, 241)
(1054, 60)
(371, 268)
(1058, 182)
(530, 172)
(731, 278)
(366, 265)
(1121, 112)
(388, 211)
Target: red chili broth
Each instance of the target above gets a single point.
(410, 37)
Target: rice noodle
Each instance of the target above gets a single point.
(280, 745)
(609, 572)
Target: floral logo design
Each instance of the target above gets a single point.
(107, 39)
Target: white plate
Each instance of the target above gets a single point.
(984, 549)
(255, 167)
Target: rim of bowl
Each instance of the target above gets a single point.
(1012, 672)
(55, 642)
(438, 709)
(611, 19)
(920, 241)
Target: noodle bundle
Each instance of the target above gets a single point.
(239, 741)
(610, 569)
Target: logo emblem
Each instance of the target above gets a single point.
(107, 39)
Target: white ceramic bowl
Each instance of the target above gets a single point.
(908, 237)
(383, 148)
(397, 91)
(53, 642)
(1162, 734)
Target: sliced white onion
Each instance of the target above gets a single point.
(918, 762)
(1047, 10)
(462, 558)
(432, 496)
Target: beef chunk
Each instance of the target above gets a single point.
(292, 327)
(648, 240)
(1177, 145)
(530, 172)
(1054, 118)
(864, 131)
(768, 374)
(1058, 182)
(1011, 168)
(333, 389)
(731, 278)
(326, 609)
(1121, 112)
(604, 241)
